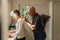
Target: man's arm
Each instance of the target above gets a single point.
(31, 26)
(38, 24)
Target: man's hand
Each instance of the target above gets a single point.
(31, 26)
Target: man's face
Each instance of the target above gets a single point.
(31, 11)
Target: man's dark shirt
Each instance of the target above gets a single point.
(39, 33)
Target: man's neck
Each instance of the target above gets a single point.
(34, 15)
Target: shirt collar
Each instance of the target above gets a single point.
(19, 19)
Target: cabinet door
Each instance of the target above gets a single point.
(56, 20)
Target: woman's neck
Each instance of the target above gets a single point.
(18, 17)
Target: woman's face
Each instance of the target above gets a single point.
(14, 16)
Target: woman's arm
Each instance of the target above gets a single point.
(18, 30)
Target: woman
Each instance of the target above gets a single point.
(19, 26)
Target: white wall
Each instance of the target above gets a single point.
(42, 6)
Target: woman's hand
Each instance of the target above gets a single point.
(11, 32)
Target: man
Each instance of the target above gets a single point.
(19, 26)
(36, 26)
